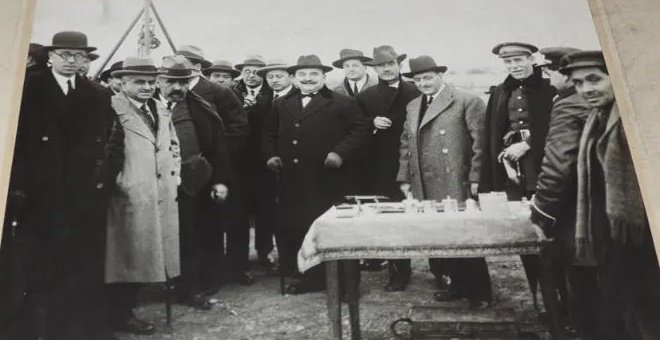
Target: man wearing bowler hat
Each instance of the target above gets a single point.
(554, 202)
(356, 77)
(313, 138)
(64, 162)
(385, 106)
(442, 136)
(222, 72)
(143, 218)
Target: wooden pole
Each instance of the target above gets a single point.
(162, 26)
(144, 50)
(116, 47)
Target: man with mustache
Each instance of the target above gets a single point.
(612, 232)
(313, 138)
(385, 106)
(143, 216)
(356, 77)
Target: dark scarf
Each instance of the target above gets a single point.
(535, 80)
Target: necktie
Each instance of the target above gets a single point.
(425, 105)
(277, 95)
(355, 89)
(69, 87)
(430, 100)
(146, 113)
(251, 92)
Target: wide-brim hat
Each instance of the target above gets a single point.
(272, 65)
(221, 66)
(136, 66)
(69, 40)
(581, 59)
(349, 54)
(553, 56)
(423, 64)
(177, 67)
(385, 54)
(253, 60)
(114, 67)
(309, 61)
(194, 54)
(514, 48)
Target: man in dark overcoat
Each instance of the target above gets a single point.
(313, 137)
(63, 166)
(222, 219)
(385, 106)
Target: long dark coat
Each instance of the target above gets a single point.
(382, 154)
(251, 158)
(64, 165)
(539, 95)
(302, 138)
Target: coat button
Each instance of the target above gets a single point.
(157, 149)
(44, 138)
(521, 122)
(519, 97)
(442, 132)
(173, 173)
(99, 186)
(296, 124)
(519, 110)
(445, 150)
(158, 176)
(295, 142)
(295, 160)
(408, 153)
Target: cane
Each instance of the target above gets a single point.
(277, 201)
(168, 301)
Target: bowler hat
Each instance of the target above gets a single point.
(512, 48)
(272, 65)
(252, 60)
(348, 54)
(309, 61)
(423, 64)
(69, 40)
(177, 67)
(221, 66)
(553, 55)
(194, 54)
(581, 59)
(136, 66)
(114, 67)
(385, 54)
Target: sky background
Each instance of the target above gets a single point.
(457, 33)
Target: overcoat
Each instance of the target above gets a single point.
(443, 154)
(302, 138)
(381, 161)
(250, 158)
(143, 219)
(342, 88)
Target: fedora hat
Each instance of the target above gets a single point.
(385, 54)
(512, 48)
(114, 67)
(252, 60)
(348, 54)
(553, 55)
(194, 54)
(136, 66)
(582, 59)
(309, 61)
(273, 64)
(177, 67)
(221, 66)
(423, 64)
(69, 40)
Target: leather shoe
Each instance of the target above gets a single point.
(134, 325)
(198, 301)
(243, 278)
(301, 288)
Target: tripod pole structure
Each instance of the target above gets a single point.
(116, 47)
(144, 48)
(162, 26)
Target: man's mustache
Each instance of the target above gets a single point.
(308, 82)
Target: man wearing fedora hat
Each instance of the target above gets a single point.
(356, 77)
(278, 78)
(64, 163)
(222, 72)
(113, 84)
(145, 202)
(442, 134)
(313, 138)
(385, 101)
(205, 168)
(612, 232)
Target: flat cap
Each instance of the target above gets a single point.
(553, 55)
(582, 59)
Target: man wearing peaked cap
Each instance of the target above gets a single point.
(516, 125)
(612, 232)
(222, 72)
(450, 121)
(313, 139)
(144, 203)
(553, 204)
(64, 163)
(356, 77)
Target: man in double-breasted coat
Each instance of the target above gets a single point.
(63, 165)
(143, 218)
(313, 138)
(440, 156)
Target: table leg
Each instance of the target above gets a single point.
(334, 306)
(549, 291)
(352, 278)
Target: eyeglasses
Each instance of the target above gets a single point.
(75, 56)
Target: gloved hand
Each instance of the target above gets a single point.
(275, 164)
(333, 160)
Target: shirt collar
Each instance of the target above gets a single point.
(435, 95)
(255, 89)
(395, 85)
(360, 83)
(193, 82)
(61, 80)
(138, 104)
(283, 92)
(165, 100)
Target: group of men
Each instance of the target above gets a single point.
(139, 180)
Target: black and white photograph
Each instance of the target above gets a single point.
(371, 169)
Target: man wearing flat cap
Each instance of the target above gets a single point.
(228, 105)
(612, 232)
(143, 217)
(313, 138)
(222, 72)
(553, 204)
(385, 106)
(356, 78)
(442, 134)
(65, 160)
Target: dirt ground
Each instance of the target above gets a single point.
(260, 312)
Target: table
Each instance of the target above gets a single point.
(332, 239)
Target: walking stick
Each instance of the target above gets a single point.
(168, 301)
(277, 200)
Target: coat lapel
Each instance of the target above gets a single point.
(164, 116)
(315, 105)
(440, 104)
(413, 114)
(130, 118)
